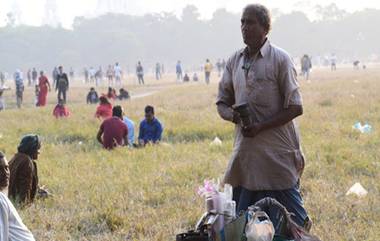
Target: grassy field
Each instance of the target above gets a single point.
(150, 194)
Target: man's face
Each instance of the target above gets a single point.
(253, 33)
(4, 173)
(35, 154)
(60, 70)
(149, 116)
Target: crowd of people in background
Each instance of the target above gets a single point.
(114, 76)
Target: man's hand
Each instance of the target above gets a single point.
(236, 117)
(251, 130)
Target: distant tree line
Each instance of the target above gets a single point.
(166, 38)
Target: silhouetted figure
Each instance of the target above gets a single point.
(178, 71)
(305, 66)
(62, 85)
(140, 73)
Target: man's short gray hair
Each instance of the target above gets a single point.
(262, 14)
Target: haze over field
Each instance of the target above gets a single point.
(32, 11)
(151, 32)
(149, 190)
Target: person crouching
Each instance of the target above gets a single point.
(61, 110)
(23, 182)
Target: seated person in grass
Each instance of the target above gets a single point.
(11, 225)
(92, 96)
(131, 130)
(104, 109)
(123, 94)
(111, 94)
(195, 77)
(23, 182)
(61, 110)
(150, 128)
(113, 132)
(186, 78)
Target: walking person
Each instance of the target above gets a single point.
(158, 71)
(117, 73)
(34, 76)
(54, 75)
(19, 88)
(110, 75)
(140, 73)
(62, 85)
(178, 71)
(306, 66)
(208, 68)
(44, 87)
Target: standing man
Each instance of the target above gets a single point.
(118, 73)
(110, 74)
(306, 66)
(219, 67)
(158, 71)
(34, 76)
(333, 62)
(178, 71)
(208, 69)
(62, 84)
(86, 74)
(2, 79)
(71, 73)
(54, 75)
(267, 160)
(19, 87)
(140, 73)
(29, 76)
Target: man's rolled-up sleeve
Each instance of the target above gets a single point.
(288, 83)
(226, 96)
(4, 220)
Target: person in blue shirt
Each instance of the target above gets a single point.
(150, 128)
(178, 70)
(131, 130)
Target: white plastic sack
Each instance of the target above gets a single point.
(358, 190)
(216, 142)
(257, 230)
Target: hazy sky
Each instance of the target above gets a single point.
(32, 11)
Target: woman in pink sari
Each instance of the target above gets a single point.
(44, 86)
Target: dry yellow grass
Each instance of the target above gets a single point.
(149, 194)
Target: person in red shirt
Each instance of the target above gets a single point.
(104, 109)
(113, 132)
(61, 110)
(44, 87)
(111, 94)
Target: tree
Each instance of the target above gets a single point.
(330, 12)
(10, 20)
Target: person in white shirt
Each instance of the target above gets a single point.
(11, 226)
(117, 72)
